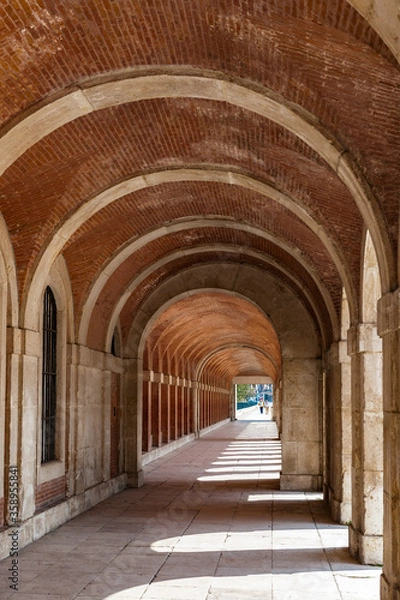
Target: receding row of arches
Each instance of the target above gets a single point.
(174, 379)
(147, 351)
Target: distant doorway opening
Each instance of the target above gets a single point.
(255, 397)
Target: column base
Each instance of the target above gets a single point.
(368, 549)
(135, 480)
(389, 591)
(301, 483)
(340, 511)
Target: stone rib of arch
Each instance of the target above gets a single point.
(141, 87)
(219, 247)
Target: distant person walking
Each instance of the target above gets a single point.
(261, 404)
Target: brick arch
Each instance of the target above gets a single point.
(321, 317)
(139, 88)
(231, 353)
(154, 179)
(299, 349)
(197, 325)
(383, 19)
(90, 316)
(198, 279)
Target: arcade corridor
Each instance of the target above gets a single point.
(193, 196)
(209, 523)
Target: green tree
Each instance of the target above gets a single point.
(245, 391)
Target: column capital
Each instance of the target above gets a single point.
(333, 354)
(147, 376)
(389, 313)
(363, 338)
(158, 378)
(352, 340)
(338, 353)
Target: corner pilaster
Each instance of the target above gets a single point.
(389, 330)
(366, 529)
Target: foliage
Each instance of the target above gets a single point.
(245, 391)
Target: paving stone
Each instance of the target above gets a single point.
(196, 541)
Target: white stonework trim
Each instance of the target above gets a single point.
(383, 17)
(172, 290)
(58, 280)
(138, 87)
(8, 274)
(181, 226)
(175, 175)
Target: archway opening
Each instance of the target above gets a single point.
(194, 351)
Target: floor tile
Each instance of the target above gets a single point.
(209, 523)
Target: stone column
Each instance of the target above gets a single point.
(278, 405)
(182, 399)
(72, 418)
(3, 367)
(187, 407)
(173, 396)
(367, 463)
(156, 420)
(389, 330)
(28, 433)
(21, 416)
(18, 415)
(340, 451)
(301, 425)
(195, 407)
(233, 404)
(133, 422)
(165, 398)
(147, 441)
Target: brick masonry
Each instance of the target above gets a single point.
(50, 492)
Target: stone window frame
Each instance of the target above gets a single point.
(49, 394)
(58, 282)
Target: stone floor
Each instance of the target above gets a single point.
(209, 524)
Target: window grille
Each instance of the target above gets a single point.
(49, 377)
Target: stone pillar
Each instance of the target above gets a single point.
(301, 425)
(195, 407)
(233, 404)
(165, 397)
(156, 409)
(3, 367)
(173, 394)
(183, 395)
(339, 419)
(22, 365)
(133, 422)
(28, 434)
(187, 407)
(147, 441)
(365, 349)
(278, 405)
(389, 330)
(72, 418)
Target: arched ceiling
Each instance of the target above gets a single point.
(227, 335)
(142, 138)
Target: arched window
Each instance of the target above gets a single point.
(116, 343)
(49, 377)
